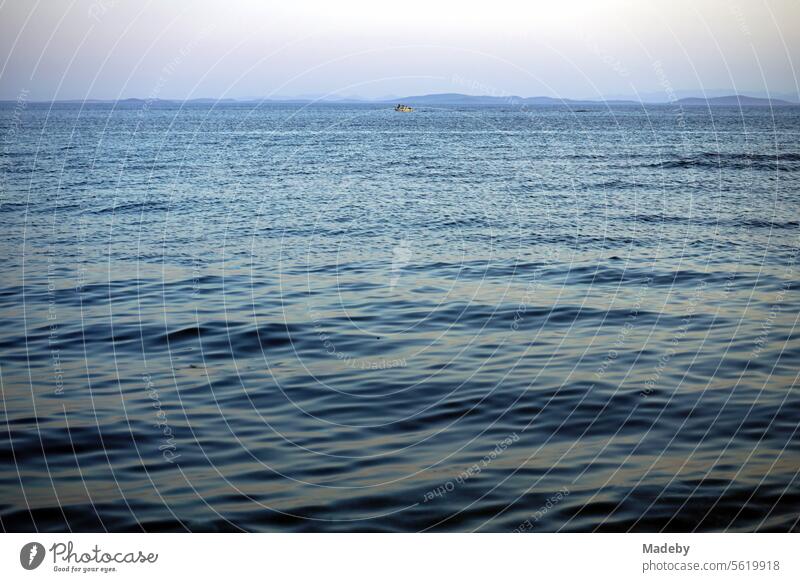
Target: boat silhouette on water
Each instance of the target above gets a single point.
(404, 108)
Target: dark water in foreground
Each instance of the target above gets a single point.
(344, 318)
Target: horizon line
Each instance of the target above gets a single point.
(442, 97)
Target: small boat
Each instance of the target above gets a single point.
(405, 108)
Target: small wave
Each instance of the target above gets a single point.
(715, 221)
(756, 223)
(131, 207)
(787, 161)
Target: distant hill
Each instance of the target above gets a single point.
(510, 100)
(736, 100)
(514, 100)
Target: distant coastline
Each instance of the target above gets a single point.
(436, 99)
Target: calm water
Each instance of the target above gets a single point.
(340, 318)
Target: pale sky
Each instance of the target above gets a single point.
(106, 49)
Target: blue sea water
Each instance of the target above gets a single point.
(343, 318)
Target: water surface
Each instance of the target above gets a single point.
(342, 318)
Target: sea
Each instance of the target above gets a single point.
(343, 318)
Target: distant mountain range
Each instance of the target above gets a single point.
(437, 99)
(733, 100)
(513, 100)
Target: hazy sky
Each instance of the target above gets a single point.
(54, 49)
